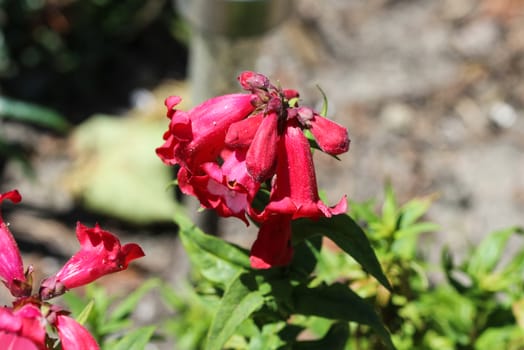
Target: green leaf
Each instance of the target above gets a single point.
(339, 302)
(488, 253)
(390, 209)
(335, 339)
(364, 212)
(507, 338)
(414, 209)
(269, 338)
(75, 303)
(84, 314)
(135, 340)
(416, 229)
(324, 110)
(29, 112)
(242, 297)
(305, 256)
(217, 260)
(128, 305)
(348, 235)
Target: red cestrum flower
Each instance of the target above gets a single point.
(228, 154)
(24, 326)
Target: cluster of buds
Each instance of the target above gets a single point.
(231, 147)
(26, 324)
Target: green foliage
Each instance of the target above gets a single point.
(109, 321)
(253, 301)
(356, 293)
(331, 296)
(32, 113)
(26, 113)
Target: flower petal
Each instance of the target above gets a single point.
(262, 153)
(295, 189)
(11, 265)
(73, 336)
(241, 134)
(100, 254)
(197, 136)
(273, 244)
(330, 136)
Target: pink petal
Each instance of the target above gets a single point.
(11, 266)
(100, 254)
(330, 136)
(197, 136)
(241, 134)
(73, 336)
(273, 244)
(11, 341)
(295, 190)
(262, 154)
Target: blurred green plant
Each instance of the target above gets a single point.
(28, 113)
(110, 321)
(479, 306)
(333, 296)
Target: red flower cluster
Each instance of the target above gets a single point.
(232, 146)
(23, 326)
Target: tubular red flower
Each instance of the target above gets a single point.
(73, 336)
(273, 244)
(197, 136)
(100, 254)
(330, 136)
(241, 134)
(295, 190)
(262, 153)
(11, 266)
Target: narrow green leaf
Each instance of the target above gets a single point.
(416, 229)
(128, 305)
(488, 253)
(339, 302)
(335, 339)
(346, 233)
(135, 340)
(414, 209)
(84, 314)
(324, 110)
(29, 112)
(390, 208)
(241, 299)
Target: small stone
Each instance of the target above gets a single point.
(397, 117)
(502, 115)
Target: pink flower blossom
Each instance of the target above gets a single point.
(23, 328)
(100, 254)
(273, 244)
(231, 146)
(197, 136)
(11, 266)
(73, 336)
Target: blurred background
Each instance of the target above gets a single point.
(432, 93)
